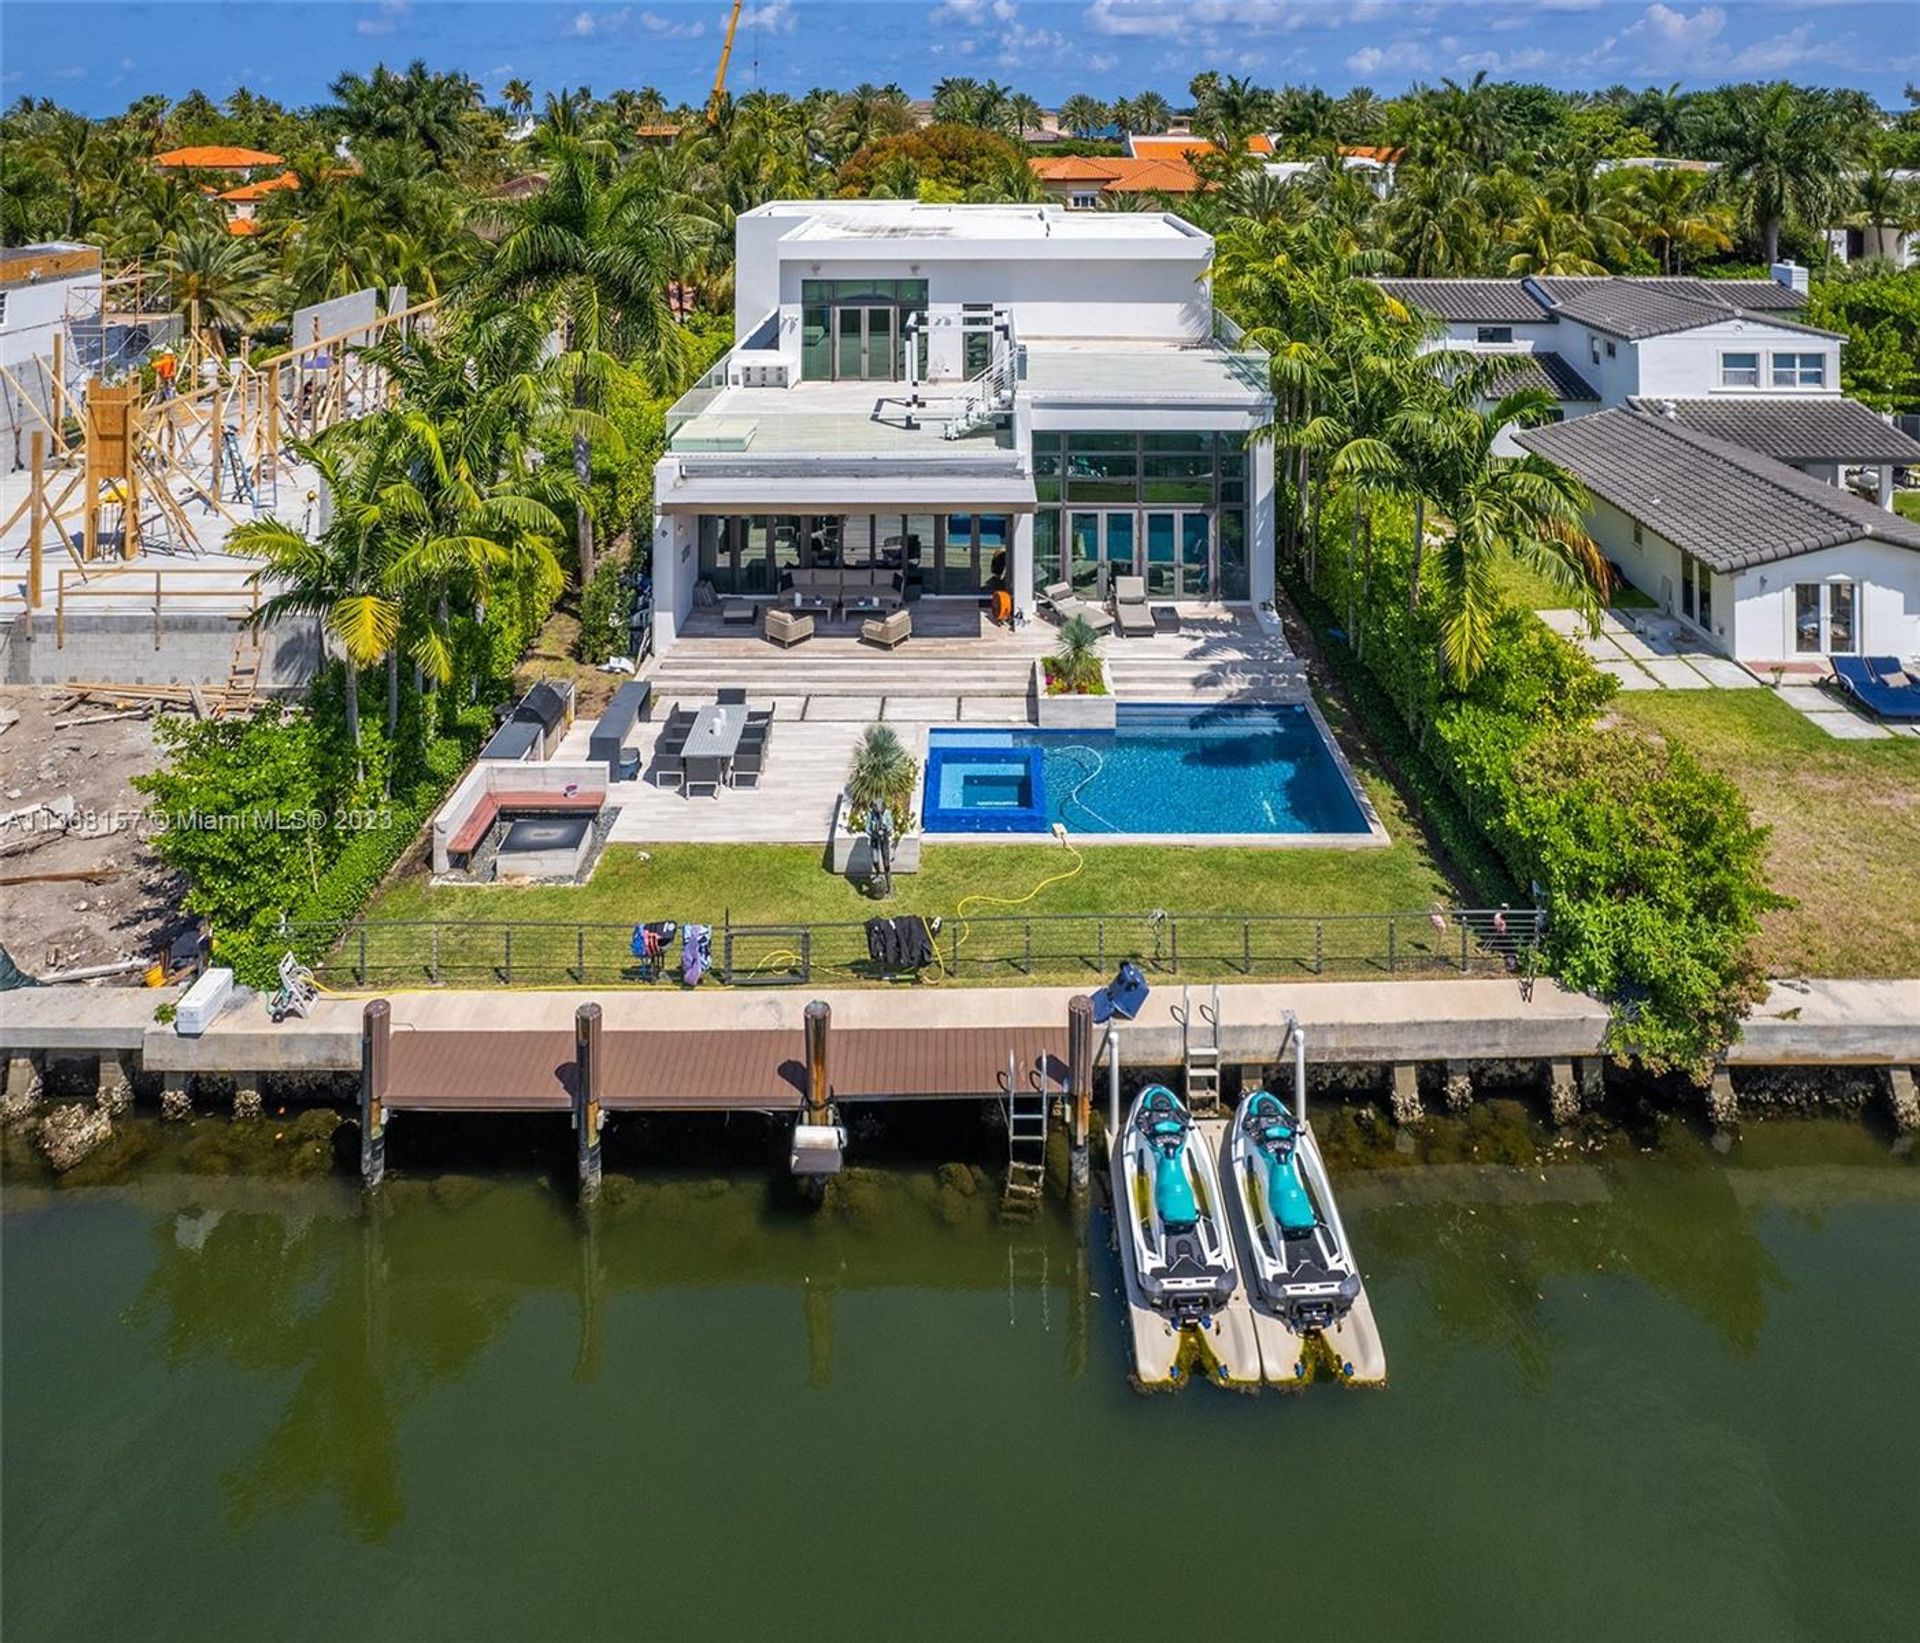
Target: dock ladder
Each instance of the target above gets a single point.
(1027, 1102)
(1200, 1053)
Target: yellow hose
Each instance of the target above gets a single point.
(960, 912)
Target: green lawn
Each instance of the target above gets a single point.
(788, 884)
(1525, 584)
(1845, 819)
(1908, 503)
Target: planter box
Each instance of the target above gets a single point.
(1072, 712)
(849, 851)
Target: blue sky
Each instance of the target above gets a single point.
(97, 55)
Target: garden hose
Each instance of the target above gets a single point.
(960, 912)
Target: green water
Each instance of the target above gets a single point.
(1635, 1395)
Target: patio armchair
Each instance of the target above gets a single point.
(1130, 607)
(888, 631)
(786, 628)
(1061, 603)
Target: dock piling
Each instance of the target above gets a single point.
(176, 1095)
(113, 1084)
(586, 1097)
(819, 1017)
(1079, 1089)
(1563, 1092)
(376, 1028)
(1906, 1102)
(1405, 1100)
(1723, 1106)
(1459, 1086)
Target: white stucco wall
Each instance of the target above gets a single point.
(1888, 611)
(1687, 365)
(675, 563)
(1542, 338)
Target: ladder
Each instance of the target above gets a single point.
(1027, 1104)
(243, 676)
(1200, 1053)
(243, 490)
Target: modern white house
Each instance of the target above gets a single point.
(1708, 424)
(970, 397)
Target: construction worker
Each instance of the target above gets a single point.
(164, 368)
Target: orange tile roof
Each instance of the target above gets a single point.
(1169, 146)
(1076, 168)
(1386, 156)
(216, 158)
(1259, 143)
(656, 131)
(1155, 177)
(266, 186)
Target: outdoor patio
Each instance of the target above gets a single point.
(957, 669)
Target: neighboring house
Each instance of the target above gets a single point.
(1771, 564)
(1084, 183)
(1708, 423)
(1597, 342)
(49, 311)
(971, 396)
(1896, 242)
(243, 203)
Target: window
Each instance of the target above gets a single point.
(1842, 637)
(1612, 352)
(1083, 202)
(1494, 333)
(1637, 538)
(1739, 370)
(1799, 370)
(1593, 349)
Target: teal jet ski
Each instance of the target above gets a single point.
(1173, 1208)
(1302, 1264)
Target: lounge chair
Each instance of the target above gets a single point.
(888, 631)
(1130, 607)
(786, 627)
(1880, 685)
(1060, 601)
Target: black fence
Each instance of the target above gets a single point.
(1063, 948)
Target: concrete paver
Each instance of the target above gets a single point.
(1630, 674)
(1675, 673)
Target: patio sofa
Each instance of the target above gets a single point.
(1880, 685)
(873, 585)
(1060, 601)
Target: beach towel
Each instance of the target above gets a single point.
(696, 953)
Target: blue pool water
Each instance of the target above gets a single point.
(1163, 769)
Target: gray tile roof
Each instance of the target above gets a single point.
(1793, 428)
(1624, 306)
(1486, 302)
(1545, 371)
(1729, 507)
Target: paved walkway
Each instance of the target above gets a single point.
(1832, 712)
(1646, 650)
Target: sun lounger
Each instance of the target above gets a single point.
(1880, 685)
(1064, 604)
(1130, 607)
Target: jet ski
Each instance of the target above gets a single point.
(1171, 1192)
(1302, 1265)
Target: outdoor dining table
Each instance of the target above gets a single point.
(716, 731)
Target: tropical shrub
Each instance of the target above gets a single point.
(1074, 668)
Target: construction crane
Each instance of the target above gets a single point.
(720, 74)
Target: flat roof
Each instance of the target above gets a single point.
(1152, 373)
(864, 221)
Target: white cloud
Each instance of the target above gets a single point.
(1667, 27)
(776, 17)
(587, 24)
(668, 28)
(1408, 56)
(391, 11)
(1795, 49)
(1504, 62)
(973, 13)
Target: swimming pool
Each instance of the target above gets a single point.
(1163, 769)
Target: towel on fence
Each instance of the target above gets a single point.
(902, 943)
(696, 953)
(652, 939)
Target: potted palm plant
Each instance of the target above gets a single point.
(882, 776)
(1071, 689)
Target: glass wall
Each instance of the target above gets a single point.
(949, 554)
(1169, 507)
(850, 329)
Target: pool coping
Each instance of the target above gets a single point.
(1376, 836)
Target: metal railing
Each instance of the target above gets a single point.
(1062, 948)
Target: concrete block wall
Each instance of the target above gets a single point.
(118, 648)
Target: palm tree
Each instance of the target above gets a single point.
(221, 282)
(1083, 115)
(960, 100)
(1886, 201)
(1437, 222)
(595, 256)
(1232, 111)
(518, 96)
(1546, 239)
(883, 776)
(1784, 151)
(1024, 115)
(1151, 113)
(866, 114)
(1673, 212)
(1496, 506)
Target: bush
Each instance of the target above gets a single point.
(1651, 870)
